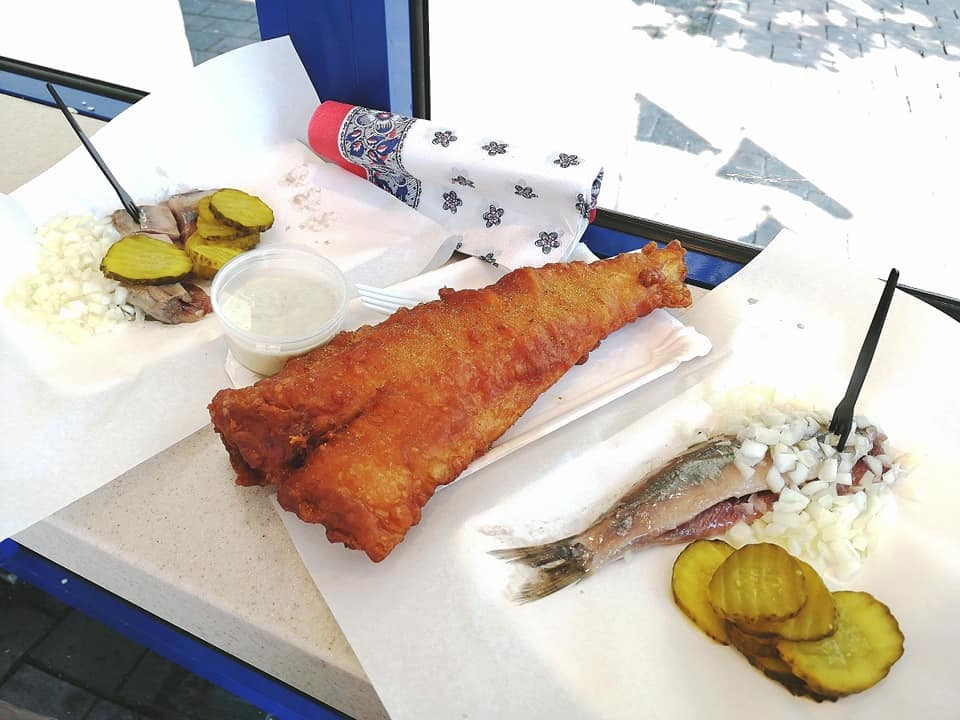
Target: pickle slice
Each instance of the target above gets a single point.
(692, 571)
(210, 227)
(203, 209)
(142, 260)
(817, 619)
(866, 644)
(756, 583)
(753, 646)
(208, 259)
(762, 653)
(242, 210)
(241, 242)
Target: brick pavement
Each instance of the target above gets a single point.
(57, 663)
(218, 26)
(808, 34)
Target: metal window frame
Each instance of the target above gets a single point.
(90, 97)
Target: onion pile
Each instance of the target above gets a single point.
(829, 501)
(67, 292)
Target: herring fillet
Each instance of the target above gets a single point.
(360, 433)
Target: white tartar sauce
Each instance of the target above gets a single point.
(278, 304)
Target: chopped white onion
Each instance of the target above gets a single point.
(753, 450)
(846, 463)
(767, 436)
(745, 469)
(66, 292)
(800, 474)
(792, 434)
(813, 487)
(774, 479)
(810, 518)
(784, 461)
(876, 467)
(828, 470)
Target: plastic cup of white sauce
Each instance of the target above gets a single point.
(278, 302)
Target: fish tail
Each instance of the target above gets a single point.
(557, 565)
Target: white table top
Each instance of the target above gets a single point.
(214, 561)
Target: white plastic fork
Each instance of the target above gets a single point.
(386, 301)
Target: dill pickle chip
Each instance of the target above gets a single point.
(143, 260)
(208, 259)
(816, 619)
(761, 652)
(216, 230)
(241, 242)
(756, 583)
(242, 210)
(203, 209)
(692, 571)
(210, 227)
(753, 646)
(866, 644)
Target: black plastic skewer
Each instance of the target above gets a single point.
(128, 204)
(843, 416)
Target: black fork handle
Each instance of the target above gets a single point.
(844, 411)
(128, 204)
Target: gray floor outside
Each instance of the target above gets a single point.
(58, 663)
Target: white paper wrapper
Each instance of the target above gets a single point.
(437, 634)
(78, 415)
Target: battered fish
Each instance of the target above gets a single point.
(359, 434)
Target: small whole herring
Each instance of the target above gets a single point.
(681, 501)
(728, 481)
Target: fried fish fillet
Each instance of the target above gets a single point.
(359, 434)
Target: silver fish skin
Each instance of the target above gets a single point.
(172, 304)
(692, 482)
(689, 484)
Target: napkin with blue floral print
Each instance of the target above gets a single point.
(509, 204)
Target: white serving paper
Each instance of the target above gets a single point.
(77, 416)
(436, 632)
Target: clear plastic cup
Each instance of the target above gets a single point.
(278, 302)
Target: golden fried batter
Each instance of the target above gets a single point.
(359, 434)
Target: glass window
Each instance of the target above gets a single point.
(734, 118)
(214, 27)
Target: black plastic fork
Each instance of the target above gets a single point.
(842, 420)
(128, 204)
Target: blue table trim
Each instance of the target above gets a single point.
(702, 270)
(248, 683)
